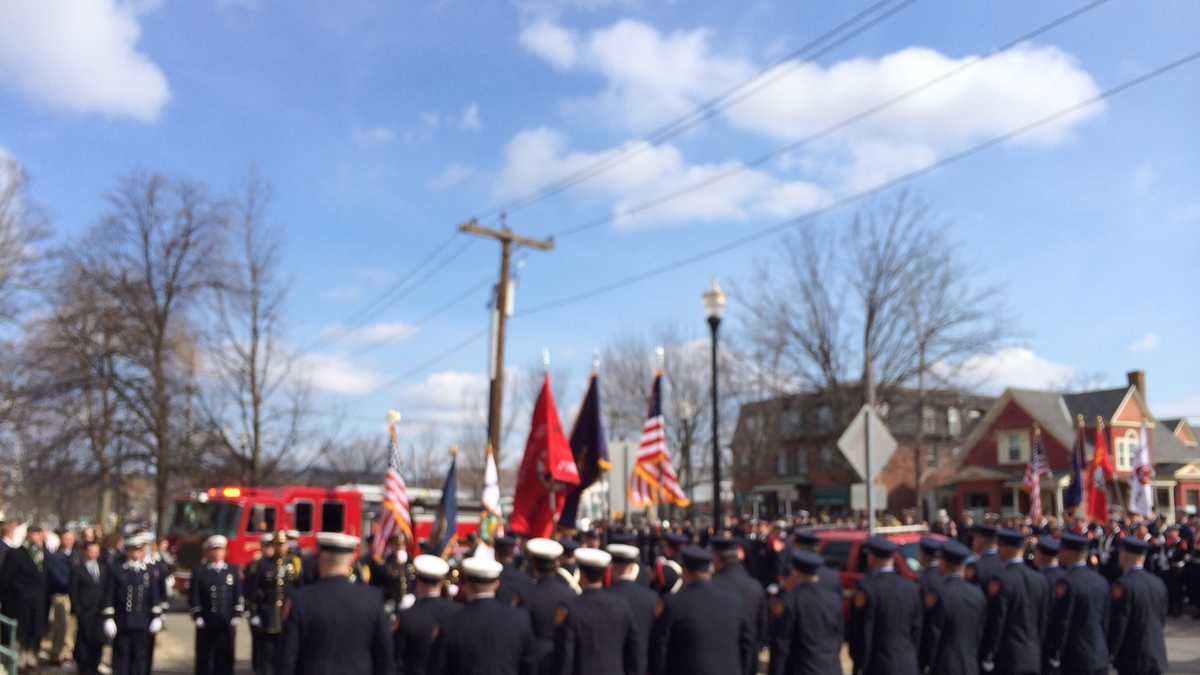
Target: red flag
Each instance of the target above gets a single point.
(547, 470)
(1100, 472)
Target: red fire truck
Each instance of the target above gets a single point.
(243, 514)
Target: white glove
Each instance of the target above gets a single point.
(110, 628)
(155, 625)
(199, 622)
(255, 622)
(235, 621)
(988, 666)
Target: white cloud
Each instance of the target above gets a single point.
(551, 42)
(652, 77)
(371, 334)
(1146, 343)
(470, 118)
(452, 175)
(1016, 367)
(81, 57)
(336, 374)
(442, 396)
(374, 136)
(535, 157)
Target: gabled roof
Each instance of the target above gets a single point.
(1048, 408)
(1092, 404)
(1166, 448)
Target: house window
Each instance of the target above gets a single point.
(781, 463)
(1006, 501)
(1014, 446)
(827, 456)
(1162, 497)
(953, 421)
(800, 462)
(974, 414)
(931, 458)
(792, 422)
(1126, 449)
(928, 420)
(978, 500)
(1193, 498)
(824, 418)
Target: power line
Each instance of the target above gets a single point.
(829, 130)
(708, 109)
(424, 365)
(441, 309)
(888, 184)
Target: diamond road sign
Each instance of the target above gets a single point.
(852, 444)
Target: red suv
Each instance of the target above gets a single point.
(846, 551)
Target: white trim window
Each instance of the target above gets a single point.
(953, 421)
(1126, 450)
(1013, 446)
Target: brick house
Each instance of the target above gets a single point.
(990, 471)
(786, 456)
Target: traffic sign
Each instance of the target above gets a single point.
(867, 429)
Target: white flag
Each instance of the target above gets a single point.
(1141, 497)
(491, 521)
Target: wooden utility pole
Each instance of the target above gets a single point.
(500, 316)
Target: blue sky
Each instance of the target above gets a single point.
(383, 125)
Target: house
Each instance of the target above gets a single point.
(786, 457)
(991, 468)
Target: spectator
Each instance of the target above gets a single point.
(59, 568)
(23, 593)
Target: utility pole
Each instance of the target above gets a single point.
(500, 313)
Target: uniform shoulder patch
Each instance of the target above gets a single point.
(1061, 589)
(931, 599)
(776, 605)
(560, 615)
(1118, 591)
(860, 599)
(969, 573)
(994, 587)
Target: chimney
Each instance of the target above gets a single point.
(1137, 378)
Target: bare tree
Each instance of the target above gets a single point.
(22, 227)
(257, 406)
(160, 237)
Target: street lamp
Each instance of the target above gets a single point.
(714, 307)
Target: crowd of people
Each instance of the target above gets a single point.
(1000, 595)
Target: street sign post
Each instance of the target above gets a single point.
(867, 445)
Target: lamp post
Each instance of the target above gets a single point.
(714, 308)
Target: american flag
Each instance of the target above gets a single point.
(1033, 476)
(654, 474)
(395, 517)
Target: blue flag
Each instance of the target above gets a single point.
(590, 450)
(1073, 496)
(445, 527)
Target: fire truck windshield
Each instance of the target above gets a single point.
(196, 517)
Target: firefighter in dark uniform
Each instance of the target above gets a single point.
(515, 584)
(334, 625)
(885, 624)
(645, 575)
(1137, 616)
(955, 612)
(701, 630)
(732, 577)
(216, 601)
(598, 635)
(1176, 554)
(1018, 602)
(394, 573)
(422, 617)
(807, 634)
(668, 572)
(279, 573)
(487, 637)
(927, 553)
(1045, 556)
(1075, 641)
(89, 581)
(249, 574)
(987, 563)
(827, 576)
(547, 599)
(642, 601)
(133, 611)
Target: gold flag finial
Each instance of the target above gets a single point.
(393, 417)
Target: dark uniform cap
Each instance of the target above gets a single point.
(695, 558)
(1010, 537)
(930, 545)
(881, 547)
(676, 539)
(569, 545)
(954, 552)
(806, 537)
(807, 562)
(984, 529)
(505, 541)
(722, 543)
(628, 538)
(1135, 545)
(1073, 542)
(1048, 545)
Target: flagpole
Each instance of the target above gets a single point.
(1115, 483)
(1081, 439)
